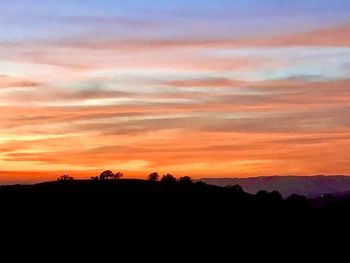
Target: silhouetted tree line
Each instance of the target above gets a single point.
(65, 177)
(160, 198)
(264, 199)
(153, 177)
(108, 174)
(169, 178)
(163, 203)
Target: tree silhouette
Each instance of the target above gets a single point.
(65, 177)
(276, 196)
(94, 178)
(262, 195)
(201, 183)
(153, 177)
(296, 201)
(106, 175)
(236, 188)
(185, 180)
(168, 178)
(117, 175)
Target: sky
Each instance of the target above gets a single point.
(201, 88)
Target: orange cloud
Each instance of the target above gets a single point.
(336, 36)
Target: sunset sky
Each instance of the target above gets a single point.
(206, 88)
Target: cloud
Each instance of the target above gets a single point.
(204, 82)
(102, 21)
(7, 81)
(337, 36)
(227, 106)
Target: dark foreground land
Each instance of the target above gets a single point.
(163, 210)
(126, 199)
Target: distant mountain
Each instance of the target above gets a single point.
(310, 186)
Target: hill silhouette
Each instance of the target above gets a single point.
(170, 195)
(166, 210)
(136, 198)
(309, 186)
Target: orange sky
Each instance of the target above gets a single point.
(220, 107)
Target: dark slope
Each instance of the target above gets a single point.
(310, 186)
(123, 200)
(144, 211)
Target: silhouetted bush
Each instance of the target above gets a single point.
(168, 179)
(275, 196)
(185, 180)
(262, 195)
(236, 188)
(201, 183)
(297, 202)
(117, 175)
(106, 175)
(153, 177)
(65, 177)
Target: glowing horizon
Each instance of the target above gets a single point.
(200, 88)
